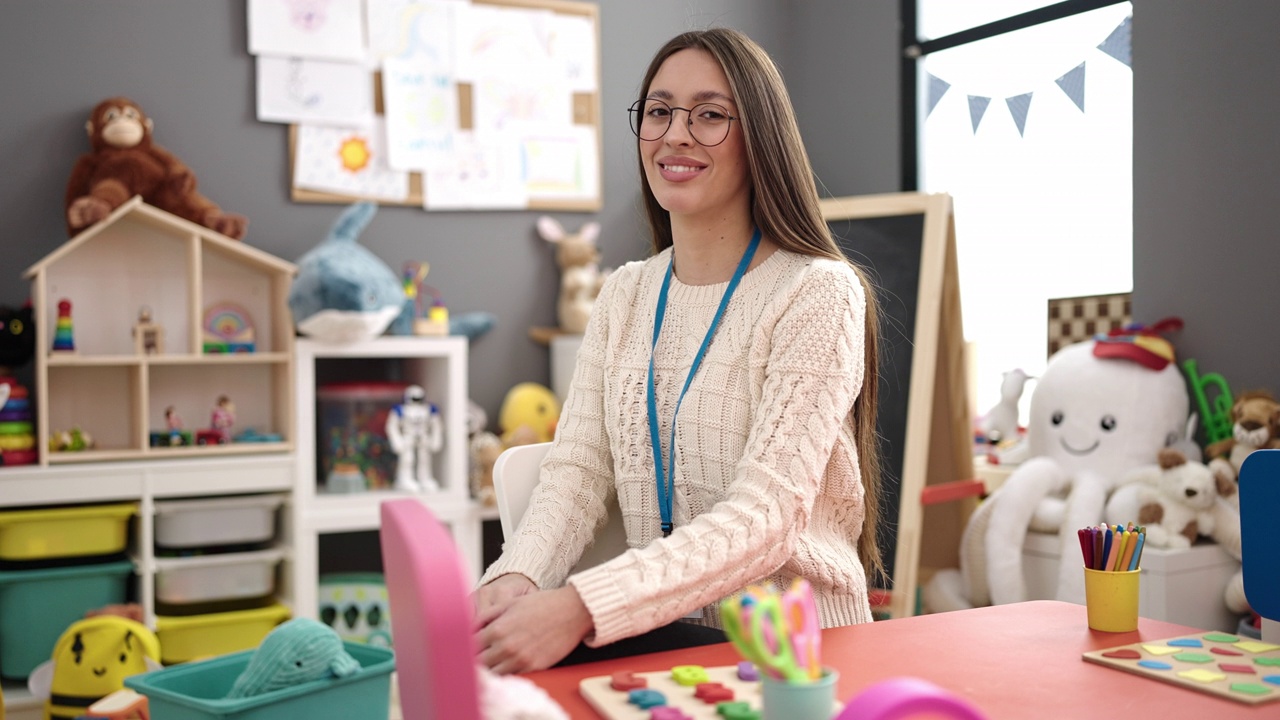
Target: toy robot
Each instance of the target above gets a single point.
(414, 431)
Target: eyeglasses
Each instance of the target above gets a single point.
(708, 123)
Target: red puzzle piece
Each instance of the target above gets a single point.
(713, 692)
(626, 681)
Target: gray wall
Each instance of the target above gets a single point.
(186, 63)
(1206, 172)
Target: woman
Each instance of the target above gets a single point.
(749, 328)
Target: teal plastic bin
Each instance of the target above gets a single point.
(197, 691)
(37, 606)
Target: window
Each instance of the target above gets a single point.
(1030, 130)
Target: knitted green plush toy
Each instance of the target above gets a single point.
(295, 652)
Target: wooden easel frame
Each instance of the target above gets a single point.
(937, 442)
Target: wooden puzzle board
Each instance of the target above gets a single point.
(1229, 666)
(613, 704)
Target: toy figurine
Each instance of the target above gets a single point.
(148, 338)
(173, 423)
(414, 430)
(224, 416)
(63, 333)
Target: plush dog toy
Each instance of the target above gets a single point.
(124, 162)
(1255, 418)
(1176, 501)
(1095, 416)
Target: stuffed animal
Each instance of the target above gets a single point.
(531, 409)
(1255, 418)
(1001, 421)
(124, 162)
(90, 660)
(580, 275)
(343, 293)
(295, 652)
(1095, 416)
(1176, 500)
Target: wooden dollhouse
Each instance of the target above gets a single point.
(102, 302)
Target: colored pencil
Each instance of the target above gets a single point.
(1136, 563)
(1129, 548)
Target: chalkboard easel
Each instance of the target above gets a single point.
(906, 243)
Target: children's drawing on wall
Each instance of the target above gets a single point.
(471, 174)
(299, 90)
(493, 106)
(561, 164)
(332, 29)
(351, 161)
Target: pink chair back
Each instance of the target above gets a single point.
(431, 619)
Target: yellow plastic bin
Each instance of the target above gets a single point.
(196, 637)
(65, 532)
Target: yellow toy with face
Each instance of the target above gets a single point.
(90, 661)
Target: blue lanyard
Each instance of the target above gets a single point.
(666, 475)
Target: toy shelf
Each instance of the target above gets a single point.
(145, 311)
(439, 365)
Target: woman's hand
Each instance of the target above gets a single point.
(498, 594)
(533, 631)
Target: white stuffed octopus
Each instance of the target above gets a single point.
(1092, 421)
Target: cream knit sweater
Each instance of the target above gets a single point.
(767, 481)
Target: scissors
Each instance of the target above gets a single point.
(776, 632)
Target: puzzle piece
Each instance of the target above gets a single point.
(626, 681)
(667, 712)
(689, 675)
(738, 710)
(747, 671)
(645, 698)
(713, 692)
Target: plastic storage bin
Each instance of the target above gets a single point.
(65, 532)
(36, 606)
(239, 520)
(351, 421)
(213, 578)
(1177, 586)
(198, 691)
(356, 606)
(195, 637)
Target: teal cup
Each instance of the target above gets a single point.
(782, 700)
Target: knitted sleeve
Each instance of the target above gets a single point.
(568, 507)
(809, 358)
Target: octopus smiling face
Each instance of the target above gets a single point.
(1104, 415)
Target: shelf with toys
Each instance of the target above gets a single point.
(145, 318)
(347, 397)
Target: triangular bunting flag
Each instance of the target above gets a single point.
(1119, 43)
(1018, 107)
(1073, 85)
(937, 88)
(977, 107)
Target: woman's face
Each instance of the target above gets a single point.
(687, 177)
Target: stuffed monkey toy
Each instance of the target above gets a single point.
(124, 162)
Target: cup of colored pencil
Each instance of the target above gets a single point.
(1112, 566)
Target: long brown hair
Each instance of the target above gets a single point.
(784, 205)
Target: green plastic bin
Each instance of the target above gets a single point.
(37, 606)
(197, 691)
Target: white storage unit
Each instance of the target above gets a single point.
(1178, 586)
(439, 365)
